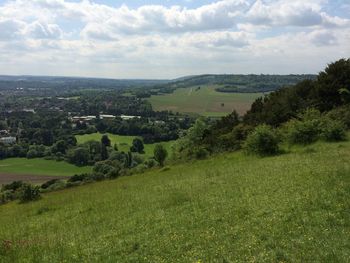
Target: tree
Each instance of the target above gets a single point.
(137, 146)
(104, 152)
(105, 140)
(79, 156)
(160, 154)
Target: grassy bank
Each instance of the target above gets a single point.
(232, 208)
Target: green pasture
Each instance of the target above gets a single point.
(39, 167)
(204, 101)
(123, 142)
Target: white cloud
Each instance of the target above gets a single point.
(159, 41)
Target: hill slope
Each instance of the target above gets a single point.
(231, 208)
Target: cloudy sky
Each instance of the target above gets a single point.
(173, 38)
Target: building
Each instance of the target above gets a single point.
(107, 116)
(8, 140)
(127, 117)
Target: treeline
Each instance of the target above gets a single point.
(303, 113)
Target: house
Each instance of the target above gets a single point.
(126, 117)
(8, 140)
(106, 116)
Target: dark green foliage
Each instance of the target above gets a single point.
(333, 130)
(110, 169)
(341, 114)
(78, 178)
(160, 154)
(79, 156)
(104, 152)
(263, 141)
(105, 140)
(29, 193)
(49, 183)
(312, 126)
(137, 146)
(328, 91)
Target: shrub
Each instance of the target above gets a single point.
(201, 153)
(78, 178)
(160, 154)
(262, 141)
(58, 185)
(302, 132)
(29, 193)
(333, 130)
(48, 183)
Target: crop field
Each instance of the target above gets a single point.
(232, 208)
(123, 142)
(204, 101)
(36, 170)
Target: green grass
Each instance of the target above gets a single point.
(123, 142)
(290, 208)
(206, 101)
(39, 167)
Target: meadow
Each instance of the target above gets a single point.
(36, 170)
(39, 167)
(231, 208)
(205, 101)
(123, 142)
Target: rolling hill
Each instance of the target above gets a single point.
(231, 208)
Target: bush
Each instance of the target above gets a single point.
(201, 153)
(78, 178)
(262, 141)
(333, 130)
(302, 132)
(29, 193)
(313, 126)
(49, 183)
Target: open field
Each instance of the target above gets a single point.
(123, 142)
(231, 208)
(22, 168)
(206, 101)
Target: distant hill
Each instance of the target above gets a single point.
(239, 83)
(44, 82)
(226, 83)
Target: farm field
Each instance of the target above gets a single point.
(123, 142)
(205, 101)
(232, 208)
(21, 168)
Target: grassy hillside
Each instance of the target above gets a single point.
(123, 142)
(289, 208)
(39, 167)
(206, 101)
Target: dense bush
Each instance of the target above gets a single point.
(29, 193)
(333, 130)
(262, 141)
(312, 126)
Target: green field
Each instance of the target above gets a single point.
(290, 208)
(123, 142)
(39, 167)
(206, 101)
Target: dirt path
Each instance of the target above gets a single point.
(34, 179)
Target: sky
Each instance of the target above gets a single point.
(171, 38)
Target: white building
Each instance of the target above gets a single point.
(127, 117)
(8, 140)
